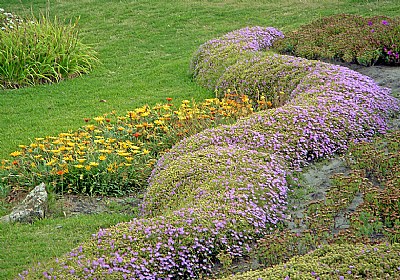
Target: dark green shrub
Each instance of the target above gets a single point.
(348, 38)
(37, 51)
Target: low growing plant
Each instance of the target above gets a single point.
(213, 57)
(348, 38)
(39, 50)
(376, 219)
(114, 155)
(343, 261)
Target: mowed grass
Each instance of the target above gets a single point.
(145, 48)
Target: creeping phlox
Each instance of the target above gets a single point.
(215, 192)
(211, 59)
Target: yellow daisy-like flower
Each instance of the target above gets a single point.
(68, 158)
(37, 156)
(102, 158)
(92, 163)
(90, 127)
(88, 167)
(123, 154)
(129, 159)
(141, 110)
(70, 144)
(79, 166)
(145, 151)
(159, 122)
(51, 162)
(15, 154)
(99, 119)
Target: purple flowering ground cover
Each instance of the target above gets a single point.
(211, 59)
(216, 192)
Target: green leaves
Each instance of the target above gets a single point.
(42, 51)
(348, 38)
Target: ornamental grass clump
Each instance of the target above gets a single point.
(214, 193)
(39, 50)
(114, 155)
(211, 59)
(349, 38)
(334, 262)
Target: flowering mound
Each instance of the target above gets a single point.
(336, 262)
(211, 59)
(349, 38)
(217, 191)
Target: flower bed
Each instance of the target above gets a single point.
(349, 38)
(113, 155)
(220, 189)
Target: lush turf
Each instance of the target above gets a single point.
(25, 245)
(145, 48)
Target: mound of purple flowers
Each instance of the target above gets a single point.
(213, 57)
(217, 191)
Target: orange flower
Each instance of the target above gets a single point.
(60, 172)
(169, 99)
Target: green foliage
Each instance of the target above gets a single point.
(37, 51)
(219, 57)
(265, 78)
(336, 262)
(114, 155)
(348, 38)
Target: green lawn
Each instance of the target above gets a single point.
(145, 47)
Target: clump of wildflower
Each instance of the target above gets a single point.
(114, 155)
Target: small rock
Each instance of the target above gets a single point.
(33, 207)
